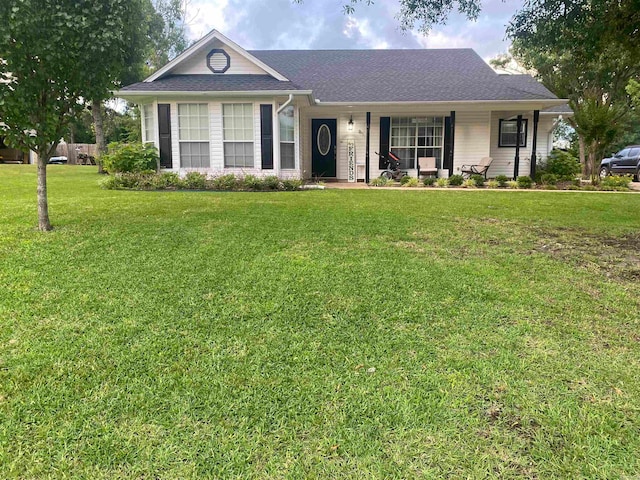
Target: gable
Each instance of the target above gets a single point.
(216, 58)
(215, 54)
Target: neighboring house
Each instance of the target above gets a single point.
(324, 113)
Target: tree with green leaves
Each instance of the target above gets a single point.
(159, 36)
(586, 51)
(55, 54)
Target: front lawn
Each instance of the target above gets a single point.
(317, 334)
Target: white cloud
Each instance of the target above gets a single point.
(283, 24)
(205, 15)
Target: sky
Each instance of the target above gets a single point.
(321, 24)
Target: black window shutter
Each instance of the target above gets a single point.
(385, 130)
(446, 156)
(164, 130)
(266, 136)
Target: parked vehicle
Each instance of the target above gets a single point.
(58, 160)
(626, 161)
(392, 167)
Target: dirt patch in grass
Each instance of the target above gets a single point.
(615, 257)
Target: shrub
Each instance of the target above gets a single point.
(493, 184)
(272, 182)
(550, 187)
(442, 182)
(291, 184)
(616, 181)
(130, 157)
(524, 182)
(512, 184)
(502, 180)
(562, 164)
(589, 188)
(165, 180)
(549, 179)
(380, 182)
(225, 182)
(429, 181)
(478, 180)
(108, 183)
(195, 181)
(412, 182)
(572, 187)
(469, 183)
(253, 183)
(404, 180)
(456, 180)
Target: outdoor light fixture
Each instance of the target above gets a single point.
(350, 123)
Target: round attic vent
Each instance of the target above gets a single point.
(218, 61)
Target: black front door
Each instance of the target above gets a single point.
(323, 147)
(164, 131)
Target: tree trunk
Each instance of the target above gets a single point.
(96, 112)
(594, 156)
(582, 156)
(43, 205)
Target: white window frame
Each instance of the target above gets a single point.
(189, 136)
(415, 121)
(231, 138)
(288, 142)
(149, 122)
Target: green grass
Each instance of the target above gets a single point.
(232, 335)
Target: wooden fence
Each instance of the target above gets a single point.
(71, 151)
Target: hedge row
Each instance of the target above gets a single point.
(197, 181)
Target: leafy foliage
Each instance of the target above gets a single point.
(456, 180)
(502, 180)
(144, 180)
(429, 181)
(616, 181)
(478, 180)
(412, 182)
(54, 55)
(380, 182)
(524, 182)
(405, 179)
(586, 51)
(562, 164)
(130, 157)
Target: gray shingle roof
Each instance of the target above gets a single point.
(211, 83)
(369, 76)
(398, 75)
(565, 108)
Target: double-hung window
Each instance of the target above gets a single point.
(149, 124)
(287, 138)
(237, 126)
(193, 126)
(412, 138)
(509, 132)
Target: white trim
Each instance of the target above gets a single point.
(549, 101)
(247, 93)
(214, 34)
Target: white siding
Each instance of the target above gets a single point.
(472, 139)
(175, 137)
(545, 135)
(197, 64)
(504, 157)
(216, 144)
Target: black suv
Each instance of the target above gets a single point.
(625, 161)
